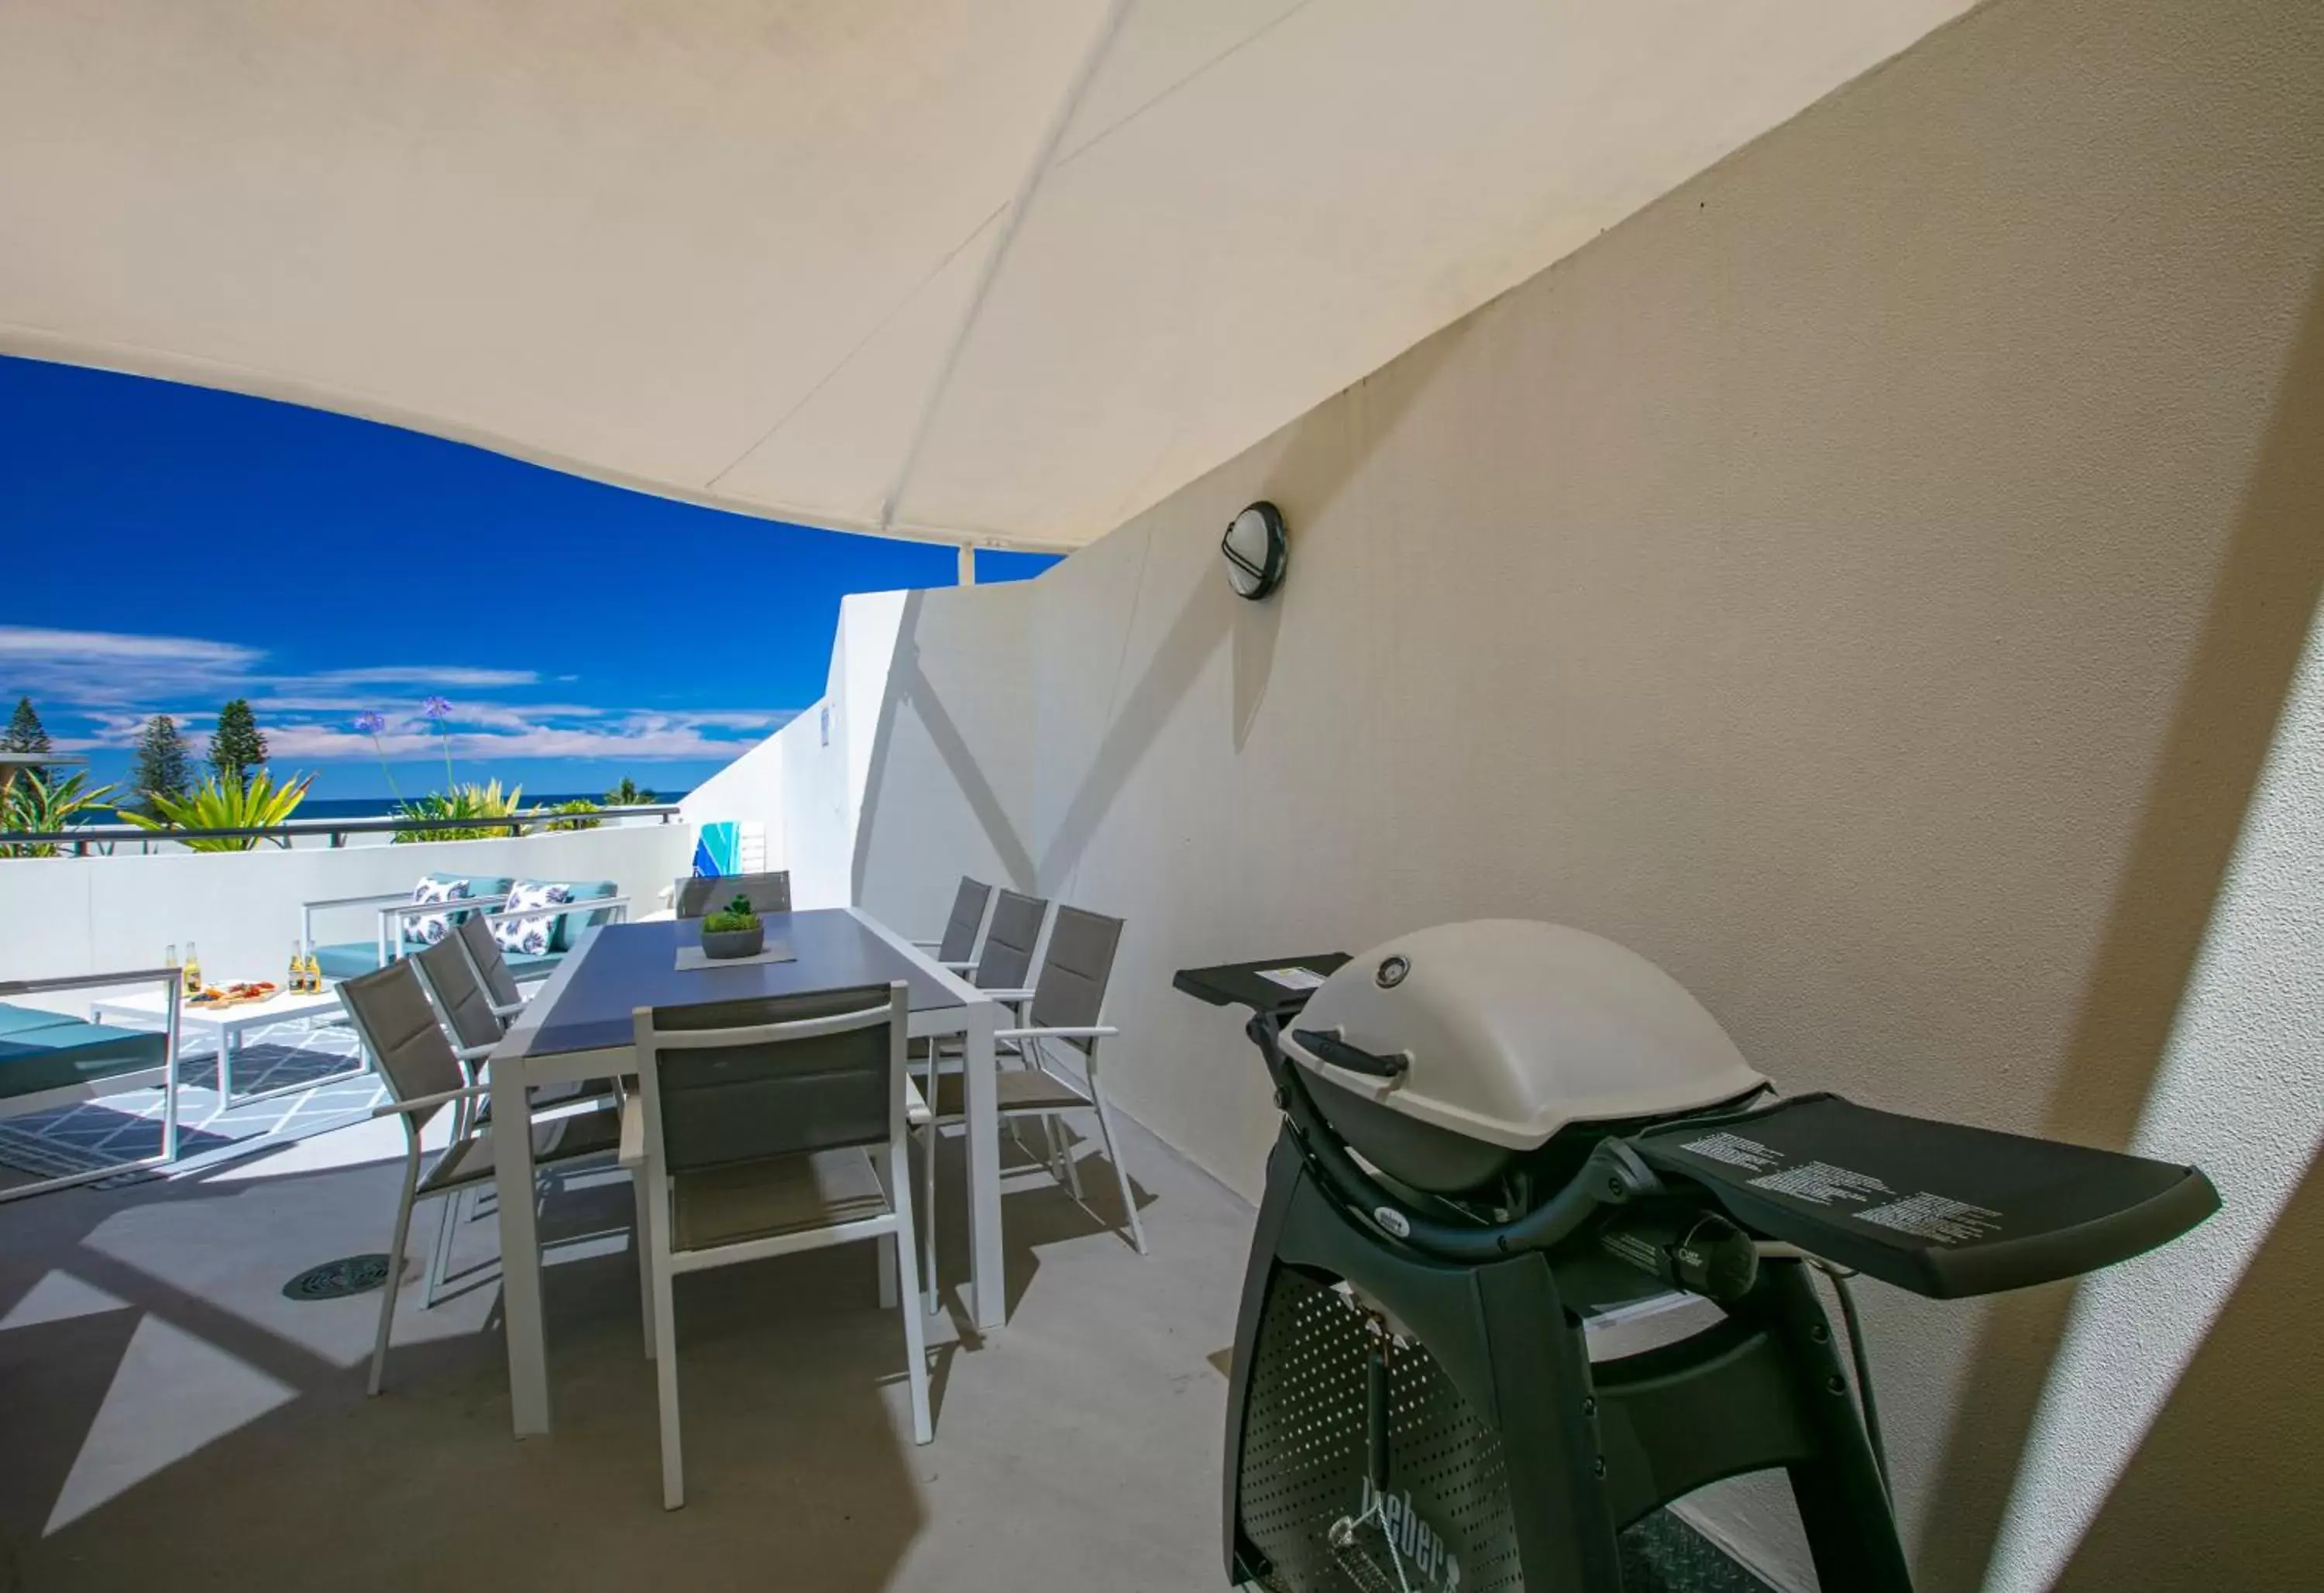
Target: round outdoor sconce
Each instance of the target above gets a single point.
(1256, 550)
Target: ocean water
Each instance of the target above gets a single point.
(382, 806)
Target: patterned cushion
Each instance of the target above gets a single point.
(425, 929)
(530, 935)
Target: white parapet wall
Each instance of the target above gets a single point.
(85, 915)
(806, 783)
(1873, 583)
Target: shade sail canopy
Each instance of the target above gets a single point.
(999, 271)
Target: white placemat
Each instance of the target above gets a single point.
(690, 957)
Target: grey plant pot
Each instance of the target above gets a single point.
(724, 943)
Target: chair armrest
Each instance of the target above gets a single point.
(1012, 997)
(307, 909)
(389, 934)
(428, 1103)
(916, 1106)
(927, 945)
(955, 967)
(1093, 1032)
(620, 904)
(88, 981)
(474, 1053)
(372, 900)
(509, 1011)
(394, 906)
(632, 1152)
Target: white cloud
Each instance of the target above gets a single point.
(100, 668)
(451, 676)
(112, 681)
(26, 642)
(644, 737)
(89, 669)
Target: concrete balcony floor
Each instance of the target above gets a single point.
(172, 1415)
(172, 1418)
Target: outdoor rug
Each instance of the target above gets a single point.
(292, 1066)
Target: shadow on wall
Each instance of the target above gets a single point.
(908, 682)
(2266, 595)
(1320, 454)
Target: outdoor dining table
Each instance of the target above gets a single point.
(581, 1025)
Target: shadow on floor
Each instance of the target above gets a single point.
(172, 1414)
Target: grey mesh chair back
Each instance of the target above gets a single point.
(699, 895)
(485, 957)
(759, 1098)
(766, 1123)
(1071, 988)
(1008, 960)
(968, 906)
(467, 1007)
(397, 1026)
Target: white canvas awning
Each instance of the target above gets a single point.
(988, 270)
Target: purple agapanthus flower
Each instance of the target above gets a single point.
(436, 708)
(371, 724)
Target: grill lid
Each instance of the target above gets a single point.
(1508, 1029)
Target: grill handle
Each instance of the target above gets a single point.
(1325, 1045)
(1611, 1175)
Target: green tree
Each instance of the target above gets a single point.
(158, 769)
(237, 747)
(628, 795)
(25, 732)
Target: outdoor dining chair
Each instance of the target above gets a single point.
(1066, 1004)
(957, 949)
(1004, 966)
(701, 894)
(474, 1025)
(396, 1023)
(760, 1128)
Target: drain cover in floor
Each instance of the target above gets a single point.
(336, 1280)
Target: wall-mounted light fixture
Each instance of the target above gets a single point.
(1256, 550)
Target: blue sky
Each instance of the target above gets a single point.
(169, 547)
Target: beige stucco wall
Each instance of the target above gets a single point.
(1865, 583)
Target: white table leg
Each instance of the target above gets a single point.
(989, 1292)
(225, 1065)
(519, 1252)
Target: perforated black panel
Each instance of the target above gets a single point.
(1442, 1452)
(1303, 1447)
(1303, 1462)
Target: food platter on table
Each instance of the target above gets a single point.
(213, 998)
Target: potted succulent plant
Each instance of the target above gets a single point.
(736, 931)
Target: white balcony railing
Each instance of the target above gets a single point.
(69, 916)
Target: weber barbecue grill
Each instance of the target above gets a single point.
(1495, 1132)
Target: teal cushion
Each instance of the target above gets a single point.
(18, 1020)
(570, 925)
(347, 959)
(482, 885)
(71, 1052)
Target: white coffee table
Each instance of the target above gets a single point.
(148, 1010)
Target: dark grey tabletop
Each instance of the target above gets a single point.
(634, 965)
